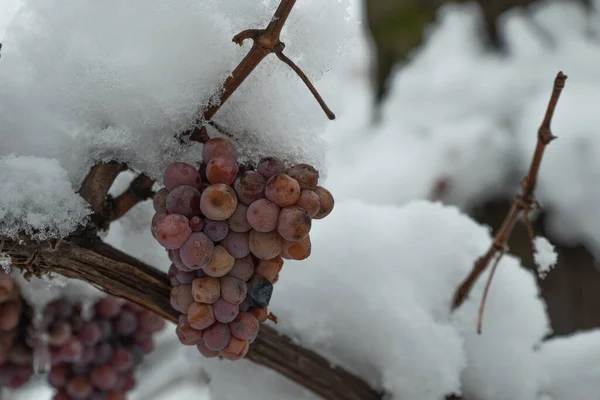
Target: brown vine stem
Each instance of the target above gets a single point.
(140, 189)
(95, 187)
(523, 204)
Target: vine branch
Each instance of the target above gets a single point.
(522, 205)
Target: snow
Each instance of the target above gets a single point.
(544, 256)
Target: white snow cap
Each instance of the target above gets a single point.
(545, 256)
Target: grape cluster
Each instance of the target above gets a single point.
(227, 228)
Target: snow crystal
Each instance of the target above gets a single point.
(37, 199)
(5, 262)
(544, 256)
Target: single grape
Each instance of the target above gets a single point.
(206, 290)
(244, 326)
(122, 360)
(238, 221)
(181, 297)
(216, 337)
(220, 263)
(282, 190)
(127, 322)
(103, 377)
(309, 201)
(260, 291)
(108, 307)
(265, 245)
(70, 351)
(179, 174)
(58, 376)
(59, 334)
(151, 322)
(160, 200)
(10, 314)
(184, 200)
(221, 170)
(306, 175)
(225, 312)
(196, 224)
(175, 257)
(200, 316)
(218, 147)
(235, 349)
(243, 268)
(269, 268)
(233, 290)
(90, 333)
(206, 352)
(270, 166)
(299, 250)
(325, 200)
(215, 230)
(218, 202)
(249, 187)
(79, 387)
(262, 215)
(293, 224)
(236, 244)
(197, 251)
(186, 334)
(172, 231)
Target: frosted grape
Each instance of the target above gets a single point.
(200, 316)
(218, 147)
(282, 190)
(181, 298)
(243, 268)
(233, 290)
(218, 202)
(196, 224)
(249, 187)
(236, 244)
(225, 312)
(238, 221)
(156, 218)
(206, 290)
(215, 230)
(216, 337)
(299, 250)
(184, 277)
(309, 201)
(160, 200)
(260, 291)
(306, 175)
(262, 215)
(326, 201)
(244, 326)
(269, 268)
(172, 231)
(220, 263)
(270, 166)
(175, 257)
(221, 170)
(186, 334)
(196, 252)
(235, 349)
(293, 224)
(265, 245)
(184, 200)
(206, 352)
(179, 174)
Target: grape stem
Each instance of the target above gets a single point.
(139, 190)
(523, 204)
(95, 187)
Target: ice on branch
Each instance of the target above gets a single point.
(545, 256)
(38, 199)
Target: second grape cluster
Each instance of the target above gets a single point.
(227, 229)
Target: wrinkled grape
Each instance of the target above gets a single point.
(181, 298)
(299, 250)
(243, 268)
(216, 337)
(269, 268)
(221, 170)
(179, 174)
(235, 349)
(184, 200)
(293, 224)
(309, 201)
(326, 202)
(236, 244)
(220, 263)
(270, 166)
(244, 326)
(172, 231)
(238, 222)
(197, 251)
(306, 175)
(218, 202)
(200, 316)
(262, 215)
(265, 245)
(206, 290)
(249, 187)
(218, 147)
(225, 312)
(233, 290)
(282, 190)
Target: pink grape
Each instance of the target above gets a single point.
(218, 202)
(200, 316)
(206, 352)
(236, 244)
(293, 224)
(309, 201)
(184, 277)
(220, 263)
(306, 175)
(122, 360)
(172, 231)
(206, 290)
(262, 215)
(79, 387)
(175, 257)
(181, 298)
(156, 219)
(70, 351)
(216, 337)
(127, 322)
(282, 190)
(265, 245)
(233, 290)
(217, 147)
(221, 170)
(249, 187)
(269, 268)
(215, 230)
(179, 174)
(270, 166)
(186, 334)
(225, 312)
(326, 201)
(197, 251)
(244, 326)
(299, 250)
(160, 200)
(10, 314)
(243, 268)
(58, 375)
(90, 333)
(59, 334)
(103, 377)
(184, 200)
(108, 307)
(196, 224)
(238, 222)
(235, 349)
